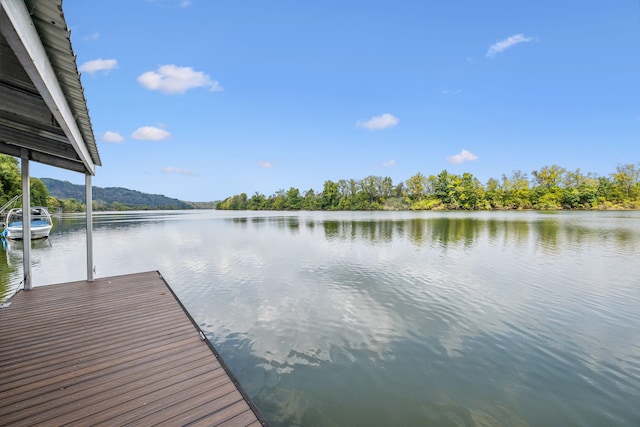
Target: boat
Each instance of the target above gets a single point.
(41, 224)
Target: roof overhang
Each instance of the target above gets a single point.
(43, 111)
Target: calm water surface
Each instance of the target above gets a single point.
(452, 319)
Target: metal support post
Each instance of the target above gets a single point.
(26, 221)
(89, 202)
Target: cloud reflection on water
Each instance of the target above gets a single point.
(459, 307)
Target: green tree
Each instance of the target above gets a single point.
(516, 191)
(605, 190)
(493, 194)
(579, 191)
(626, 180)
(294, 200)
(547, 193)
(370, 186)
(549, 177)
(257, 202)
(385, 188)
(573, 179)
(468, 192)
(72, 205)
(39, 192)
(10, 179)
(347, 193)
(444, 189)
(278, 201)
(311, 201)
(416, 187)
(329, 198)
(238, 202)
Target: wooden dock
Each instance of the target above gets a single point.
(116, 351)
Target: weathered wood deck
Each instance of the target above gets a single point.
(117, 351)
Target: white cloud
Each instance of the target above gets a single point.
(150, 133)
(96, 65)
(91, 37)
(265, 165)
(171, 79)
(179, 171)
(505, 44)
(384, 121)
(110, 136)
(166, 3)
(461, 157)
(388, 164)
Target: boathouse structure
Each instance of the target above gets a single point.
(108, 351)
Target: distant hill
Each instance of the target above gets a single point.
(116, 198)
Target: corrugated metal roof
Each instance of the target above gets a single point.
(48, 18)
(21, 129)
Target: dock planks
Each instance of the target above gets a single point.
(116, 351)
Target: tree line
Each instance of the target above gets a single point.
(548, 188)
(11, 185)
(114, 198)
(72, 196)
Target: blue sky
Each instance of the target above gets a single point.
(203, 99)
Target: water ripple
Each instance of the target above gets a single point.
(511, 318)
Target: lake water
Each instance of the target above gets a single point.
(444, 319)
